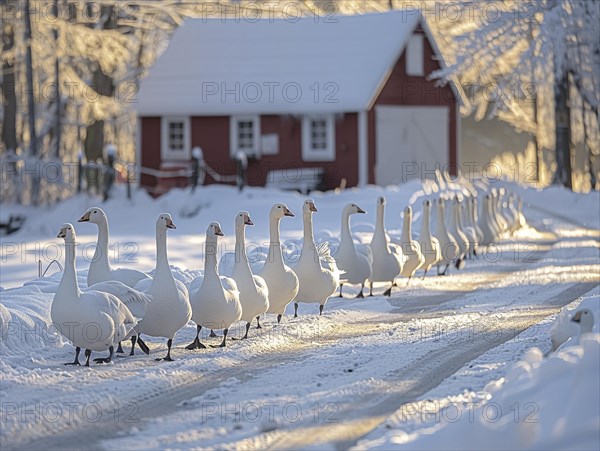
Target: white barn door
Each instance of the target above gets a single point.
(411, 142)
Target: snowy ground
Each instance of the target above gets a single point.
(369, 373)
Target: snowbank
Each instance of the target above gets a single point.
(541, 403)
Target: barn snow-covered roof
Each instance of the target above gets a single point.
(275, 66)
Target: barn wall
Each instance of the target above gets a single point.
(402, 89)
(150, 144)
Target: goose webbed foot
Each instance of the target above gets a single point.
(388, 292)
(212, 334)
(88, 353)
(143, 346)
(196, 343)
(120, 349)
(76, 361)
(108, 359)
(371, 290)
(223, 343)
(168, 356)
(245, 335)
(295, 310)
(360, 294)
(258, 323)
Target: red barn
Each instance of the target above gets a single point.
(349, 95)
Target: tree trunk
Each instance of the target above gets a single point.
(29, 75)
(9, 123)
(563, 175)
(58, 113)
(103, 85)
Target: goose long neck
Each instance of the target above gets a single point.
(379, 220)
(68, 287)
(100, 259)
(345, 229)
(308, 230)
(240, 245)
(210, 258)
(275, 255)
(457, 218)
(406, 228)
(441, 225)
(425, 232)
(162, 261)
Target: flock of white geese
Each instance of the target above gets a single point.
(122, 304)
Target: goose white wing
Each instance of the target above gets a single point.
(135, 301)
(260, 283)
(129, 277)
(196, 283)
(229, 284)
(326, 259)
(364, 249)
(226, 264)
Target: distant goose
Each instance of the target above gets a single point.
(318, 274)
(430, 245)
(388, 258)
(411, 249)
(91, 320)
(353, 258)
(100, 269)
(454, 228)
(584, 318)
(254, 293)
(216, 304)
(170, 308)
(449, 246)
(281, 280)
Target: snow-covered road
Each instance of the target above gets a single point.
(314, 381)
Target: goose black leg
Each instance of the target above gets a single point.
(120, 349)
(360, 294)
(88, 353)
(321, 309)
(388, 292)
(295, 310)
(408, 281)
(445, 269)
(279, 318)
(212, 334)
(133, 340)
(246, 334)
(371, 290)
(168, 356)
(222, 345)
(425, 274)
(258, 321)
(76, 361)
(108, 359)
(196, 343)
(143, 346)
(341, 286)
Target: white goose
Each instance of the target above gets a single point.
(100, 269)
(473, 220)
(281, 280)
(465, 227)
(170, 308)
(254, 293)
(454, 229)
(216, 304)
(430, 245)
(318, 274)
(584, 318)
(410, 248)
(91, 320)
(486, 223)
(352, 258)
(387, 257)
(448, 245)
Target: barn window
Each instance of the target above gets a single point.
(245, 135)
(414, 56)
(318, 138)
(175, 133)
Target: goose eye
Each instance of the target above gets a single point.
(95, 211)
(278, 206)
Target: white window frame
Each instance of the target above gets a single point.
(234, 137)
(308, 152)
(415, 56)
(166, 153)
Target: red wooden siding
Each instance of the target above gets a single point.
(150, 142)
